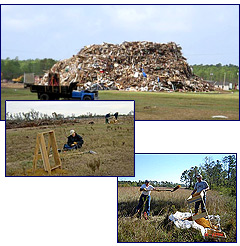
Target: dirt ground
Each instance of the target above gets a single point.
(108, 150)
(12, 85)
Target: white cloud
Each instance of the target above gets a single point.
(151, 18)
(21, 22)
(72, 27)
(129, 15)
(16, 24)
(73, 14)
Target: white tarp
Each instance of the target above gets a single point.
(178, 219)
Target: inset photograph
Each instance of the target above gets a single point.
(175, 65)
(179, 198)
(69, 138)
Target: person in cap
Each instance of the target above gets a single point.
(107, 116)
(145, 199)
(75, 141)
(200, 186)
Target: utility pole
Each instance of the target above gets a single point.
(224, 80)
(238, 80)
(211, 76)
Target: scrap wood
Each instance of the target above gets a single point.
(202, 221)
(131, 66)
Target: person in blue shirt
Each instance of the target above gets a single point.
(200, 186)
(145, 198)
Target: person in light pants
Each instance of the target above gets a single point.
(145, 198)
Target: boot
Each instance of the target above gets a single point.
(145, 215)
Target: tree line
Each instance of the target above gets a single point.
(13, 68)
(217, 72)
(220, 174)
(34, 115)
(152, 182)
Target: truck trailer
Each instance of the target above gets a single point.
(68, 92)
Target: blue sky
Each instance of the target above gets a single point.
(70, 107)
(207, 34)
(166, 167)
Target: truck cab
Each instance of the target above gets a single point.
(85, 95)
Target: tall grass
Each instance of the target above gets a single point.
(159, 228)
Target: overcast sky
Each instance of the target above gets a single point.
(70, 107)
(208, 34)
(166, 167)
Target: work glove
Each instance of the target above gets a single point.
(145, 189)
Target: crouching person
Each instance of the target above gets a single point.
(75, 141)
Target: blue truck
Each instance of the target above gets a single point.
(56, 92)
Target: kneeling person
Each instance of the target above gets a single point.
(75, 141)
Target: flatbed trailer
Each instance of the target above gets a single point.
(56, 92)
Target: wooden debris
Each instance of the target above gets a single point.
(131, 66)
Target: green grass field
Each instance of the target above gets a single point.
(159, 228)
(113, 143)
(158, 106)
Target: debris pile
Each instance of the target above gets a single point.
(132, 66)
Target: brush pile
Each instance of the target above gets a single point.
(131, 66)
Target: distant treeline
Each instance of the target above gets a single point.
(220, 174)
(217, 72)
(13, 68)
(34, 115)
(152, 182)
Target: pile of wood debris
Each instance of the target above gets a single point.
(132, 66)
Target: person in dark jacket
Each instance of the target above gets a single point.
(75, 141)
(116, 115)
(107, 116)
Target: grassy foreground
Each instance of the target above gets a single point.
(158, 106)
(114, 145)
(179, 106)
(159, 228)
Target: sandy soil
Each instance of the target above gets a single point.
(12, 85)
